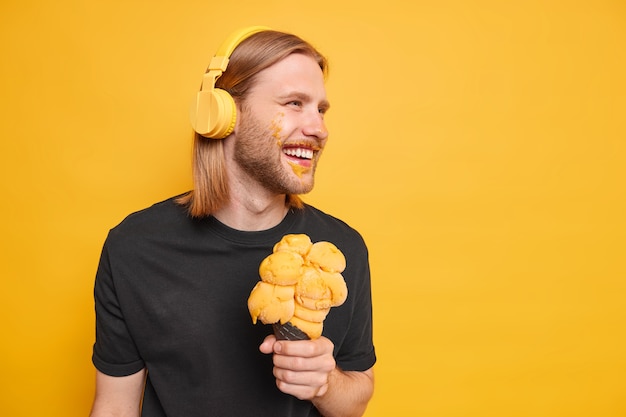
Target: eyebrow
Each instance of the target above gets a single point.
(324, 104)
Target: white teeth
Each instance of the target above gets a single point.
(300, 153)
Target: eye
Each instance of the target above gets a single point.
(296, 103)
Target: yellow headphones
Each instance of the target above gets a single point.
(213, 113)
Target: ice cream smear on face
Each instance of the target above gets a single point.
(300, 282)
(301, 155)
(298, 169)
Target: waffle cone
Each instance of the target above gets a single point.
(288, 331)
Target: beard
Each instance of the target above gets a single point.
(258, 154)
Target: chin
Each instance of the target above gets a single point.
(301, 188)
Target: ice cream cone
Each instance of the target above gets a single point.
(288, 332)
(300, 282)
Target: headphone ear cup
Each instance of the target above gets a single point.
(214, 114)
(225, 114)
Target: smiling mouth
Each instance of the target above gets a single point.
(300, 152)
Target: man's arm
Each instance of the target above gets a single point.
(307, 370)
(348, 393)
(118, 396)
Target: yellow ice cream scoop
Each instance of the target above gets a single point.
(327, 257)
(300, 282)
(312, 329)
(324, 289)
(271, 303)
(298, 243)
(281, 268)
(311, 284)
(312, 315)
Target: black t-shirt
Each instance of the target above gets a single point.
(171, 296)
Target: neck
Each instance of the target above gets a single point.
(251, 206)
(248, 211)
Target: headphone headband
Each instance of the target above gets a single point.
(235, 38)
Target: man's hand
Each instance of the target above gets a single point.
(302, 367)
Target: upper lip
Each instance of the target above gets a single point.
(303, 145)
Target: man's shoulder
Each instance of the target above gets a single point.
(317, 214)
(325, 226)
(159, 216)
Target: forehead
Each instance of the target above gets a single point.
(297, 72)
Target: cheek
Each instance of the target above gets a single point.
(276, 128)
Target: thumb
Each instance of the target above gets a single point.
(268, 344)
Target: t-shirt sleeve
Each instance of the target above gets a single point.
(357, 352)
(114, 352)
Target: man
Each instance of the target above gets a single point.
(173, 333)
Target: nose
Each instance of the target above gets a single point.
(315, 126)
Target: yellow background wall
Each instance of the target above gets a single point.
(479, 146)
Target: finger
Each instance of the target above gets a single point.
(304, 386)
(322, 363)
(267, 346)
(304, 348)
(305, 378)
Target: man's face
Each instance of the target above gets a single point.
(280, 133)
